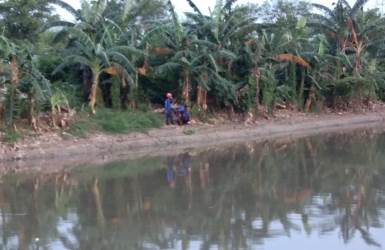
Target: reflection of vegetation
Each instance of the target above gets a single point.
(233, 198)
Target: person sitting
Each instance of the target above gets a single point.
(183, 117)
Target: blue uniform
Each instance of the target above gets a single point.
(183, 115)
(168, 111)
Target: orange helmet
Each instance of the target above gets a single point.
(169, 95)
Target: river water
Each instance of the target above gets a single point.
(322, 192)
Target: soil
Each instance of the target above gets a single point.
(53, 151)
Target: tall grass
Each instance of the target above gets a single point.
(11, 136)
(115, 122)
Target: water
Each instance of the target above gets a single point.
(324, 192)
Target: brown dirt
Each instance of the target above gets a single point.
(50, 152)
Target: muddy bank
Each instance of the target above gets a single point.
(57, 153)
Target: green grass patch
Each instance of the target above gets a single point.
(11, 137)
(115, 122)
(80, 129)
(125, 121)
(189, 131)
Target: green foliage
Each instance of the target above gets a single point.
(189, 131)
(70, 94)
(81, 128)
(22, 19)
(124, 122)
(11, 136)
(199, 114)
(12, 105)
(288, 48)
(115, 122)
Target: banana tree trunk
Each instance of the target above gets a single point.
(358, 63)
(124, 90)
(87, 83)
(293, 76)
(257, 76)
(134, 93)
(14, 71)
(186, 88)
(33, 117)
(309, 99)
(202, 98)
(202, 93)
(301, 89)
(9, 111)
(94, 91)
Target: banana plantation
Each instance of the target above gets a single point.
(125, 55)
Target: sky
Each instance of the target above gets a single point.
(204, 5)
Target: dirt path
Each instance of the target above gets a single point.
(56, 153)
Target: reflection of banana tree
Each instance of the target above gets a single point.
(98, 204)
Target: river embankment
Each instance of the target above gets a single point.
(54, 152)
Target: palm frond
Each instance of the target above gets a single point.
(167, 68)
(229, 4)
(177, 25)
(227, 54)
(102, 54)
(118, 58)
(70, 60)
(65, 6)
(128, 5)
(114, 25)
(359, 4)
(322, 27)
(57, 24)
(82, 37)
(292, 58)
(128, 50)
(125, 73)
(217, 15)
(194, 7)
(205, 43)
(323, 8)
(213, 63)
(98, 9)
(317, 18)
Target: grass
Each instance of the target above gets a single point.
(115, 122)
(125, 122)
(189, 131)
(80, 128)
(11, 137)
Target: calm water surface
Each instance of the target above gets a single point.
(324, 192)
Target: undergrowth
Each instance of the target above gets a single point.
(11, 137)
(115, 122)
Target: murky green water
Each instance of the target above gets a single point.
(326, 192)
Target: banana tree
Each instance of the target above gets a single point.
(214, 39)
(25, 80)
(98, 56)
(347, 28)
(88, 18)
(176, 42)
(285, 46)
(226, 27)
(8, 52)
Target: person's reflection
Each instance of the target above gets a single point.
(204, 174)
(170, 174)
(183, 167)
